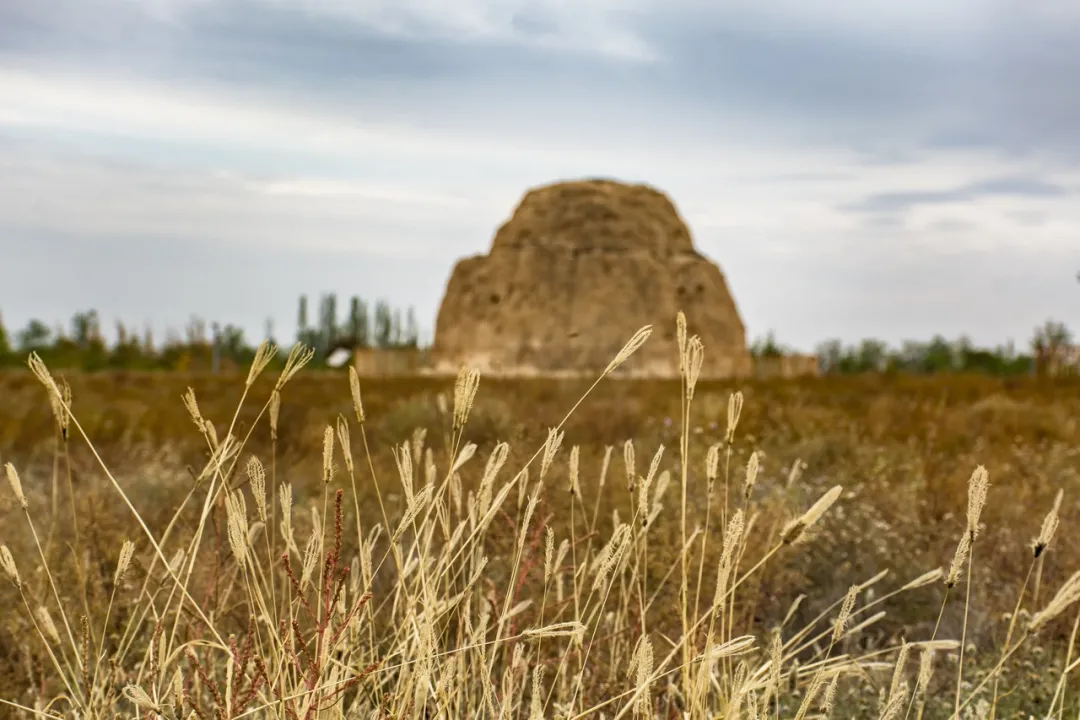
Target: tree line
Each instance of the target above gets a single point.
(203, 345)
(208, 346)
(939, 355)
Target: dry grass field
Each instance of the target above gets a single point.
(289, 560)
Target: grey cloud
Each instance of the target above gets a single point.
(1009, 86)
(897, 203)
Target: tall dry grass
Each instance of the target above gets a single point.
(451, 599)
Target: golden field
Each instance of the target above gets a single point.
(437, 596)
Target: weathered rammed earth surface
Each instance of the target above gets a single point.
(574, 273)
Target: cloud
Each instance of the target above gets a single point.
(829, 155)
(898, 203)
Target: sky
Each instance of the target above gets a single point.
(858, 168)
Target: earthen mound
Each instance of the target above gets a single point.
(577, 269)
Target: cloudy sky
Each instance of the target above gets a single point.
(890, 169)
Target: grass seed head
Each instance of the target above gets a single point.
(468, 381)
(734, 410)
(16, 485)
(7, 564)
(632, 345)
(257, 476)
(127, 551)
(1049, 527)
(48, 627)
(956, 569)
(357, 400)
(977, 489)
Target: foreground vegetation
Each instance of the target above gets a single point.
(858, 548)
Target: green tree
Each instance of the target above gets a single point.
(358, 326)
(82, 327)
(35, 336)
(767, 347)
(384, 324)
(328, 327)
(5, 343)
(872, 356)
(412, 329)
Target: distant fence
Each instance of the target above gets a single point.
(379, 362)
(382, 362)
(787, 366)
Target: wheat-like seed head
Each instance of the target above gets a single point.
(575, 485)
(310, 559)
(176, 562)
(275, 414)
(894, 706)
(797, 527)
(211, 434)
(192, 406)
(139, 697)
(898, 671)
(873, 619)
(642, 664)
(732, 538)
(811, 695)
(16, 485)
(354, 389)
(465, 387)
(536, 702)
(549, 553)
(977, 488)
(845, 612)
(178, 689)
(926, 671)
(632, 345)
(7, 563)
(41, 371)
(925, 579)
(127, 551)
(237, 525)
(731, 648)
(263, 355)
(551, 447)
(1049, 526)
(963, 549)
(346, 443)
(628, 460)
(604, 465)
(572, 629)
(611, 555)
(734, 410)
(257, 476)
(680, 339)
(712, 464)
(695, 356)
(59, 402)
(419, 502)
(299, 356)
(48, 627)
(867, 584)
(828, 700)
(662, 484)
(753, 465)
(1068, 594)
(285, 499)
(328, 455)
(534, 500)
(464, 455)
(776, 658)
(495, 462)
